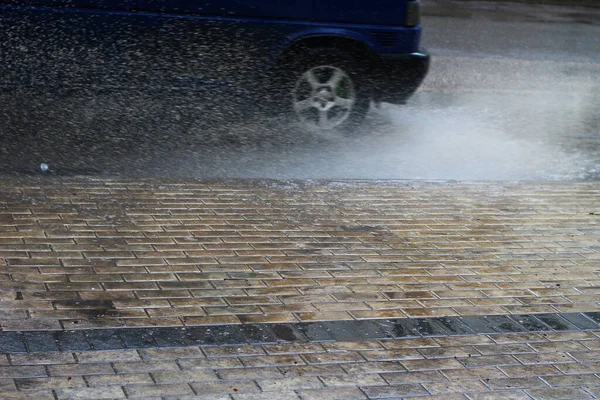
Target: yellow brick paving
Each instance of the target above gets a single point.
(177, 254)
(551, 365)
(81, 254)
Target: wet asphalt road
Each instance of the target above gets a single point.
(518, 100)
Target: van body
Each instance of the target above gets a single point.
(319, 60)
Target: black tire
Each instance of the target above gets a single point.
(329, 56)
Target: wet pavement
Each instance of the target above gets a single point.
(519, 100)
(166, 289)
(141, 281)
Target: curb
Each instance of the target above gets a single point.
(563, 3)
(15, 342)
(577, 11)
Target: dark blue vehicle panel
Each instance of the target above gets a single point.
(82, 4)
(223, 45)
(380, 12)
(289, 9)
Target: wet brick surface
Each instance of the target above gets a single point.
(502, 366)
(249, 290)
(80, 255)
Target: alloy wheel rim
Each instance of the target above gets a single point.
(324, 97)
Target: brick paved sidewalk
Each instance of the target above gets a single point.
(104, 265)
(555, 365)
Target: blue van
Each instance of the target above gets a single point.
(323, 62)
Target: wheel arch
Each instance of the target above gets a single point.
(350, 42)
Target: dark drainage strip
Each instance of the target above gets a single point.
(219, 335)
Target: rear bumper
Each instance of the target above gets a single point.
(400, 75)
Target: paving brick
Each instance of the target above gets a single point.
(119, 380)
(531, 338)
(266, 396)
(176, 376)
(276, 360)
(514, 371)
(459, 352)
(394, 391)
(288, 384)
(515, 383)
(593, 391)
(110, 392)
(324, 316)
(495, 360)
(72, 341)
(558, 394)
(233, 351)
(334, 358)
(566, 336)
(413, 377)
(576, 368)
(454, 387)
(312, 370)
(373, 367)
(50, 383)
(80, 369)
(22, 371)
(107, 356)
(483, 373)
(288, 348)
(502, 395)
(105, 339)
(42, 358)
(145, 366)
(250, 373)
(7, 385)
(362, 380)
(40, 341)
(226, 387)
(434, 364)
(211, 363)
(170, 353)
(572, 380)
(409, 343)
(544, 358)
(516, 348)
(352, 346)
(465, 340)
(332, 394)
(391, 355)
(146, 391)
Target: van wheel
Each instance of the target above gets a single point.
(328, 90)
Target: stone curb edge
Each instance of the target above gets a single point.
(220, 335)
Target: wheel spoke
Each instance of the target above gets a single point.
(335, 78)
(312, 79)
(343, 103)
(304, 104)
(332, 90)
(323, 118)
